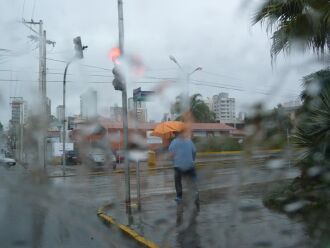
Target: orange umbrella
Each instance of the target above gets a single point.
(164, 129)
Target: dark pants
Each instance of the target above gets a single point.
(178, 174)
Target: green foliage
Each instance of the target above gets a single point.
(217, 144)
(1, 127)
(313, 126)
(200, 111)
(268, 129)
(302, 22)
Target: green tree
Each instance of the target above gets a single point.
(1, 127)
(269, 129)
(303, 22)
(198, 108)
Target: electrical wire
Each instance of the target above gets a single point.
(34, 5)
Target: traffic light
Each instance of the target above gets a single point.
(78, 47)
(118, 82)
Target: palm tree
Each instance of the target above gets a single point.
(303, 22)
(200, 111)
(313, 125)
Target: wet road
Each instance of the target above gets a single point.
(38, 211)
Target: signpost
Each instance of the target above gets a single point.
(140, 95)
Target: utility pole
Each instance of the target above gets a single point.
(124, 103)
(41, 38)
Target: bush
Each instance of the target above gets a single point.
(217, 144)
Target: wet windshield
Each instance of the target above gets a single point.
(164, 123)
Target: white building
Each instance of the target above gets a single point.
(116, 113)
(139, 109)
(241, 116)
(48, 107)
(224, 108)
(19, 111)
(208, 102)
(88, 104)
(59, 112)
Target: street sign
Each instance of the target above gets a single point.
(140, 95)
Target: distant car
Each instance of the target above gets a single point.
(72, 158)
(98, 157)
(7, 161)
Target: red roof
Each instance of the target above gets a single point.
(151, 126)
(211, 127)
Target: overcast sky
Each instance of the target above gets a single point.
(215, 35)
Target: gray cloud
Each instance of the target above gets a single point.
(209, 34)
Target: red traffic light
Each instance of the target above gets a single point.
(114, 54)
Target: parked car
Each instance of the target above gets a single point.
(72, 158)
(7, 161)
(98, 157)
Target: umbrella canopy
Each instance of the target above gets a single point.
(165, 129)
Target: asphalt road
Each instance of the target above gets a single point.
(42, 211)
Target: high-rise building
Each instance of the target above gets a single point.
(116, 113)
(241, 116)
(224, 108)
(48, 107)
(208, 102)
(88, 104)
(59, 112)
(18, 119)
(18, 110)
(139, 109)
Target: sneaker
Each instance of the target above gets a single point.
(178, 199)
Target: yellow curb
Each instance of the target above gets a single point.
(127, 230)
(214, 153)
(233, 152)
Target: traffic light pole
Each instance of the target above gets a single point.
(63, 119)
(79, 48)
(124, 103)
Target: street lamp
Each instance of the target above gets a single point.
(79, 48)
(187, 80)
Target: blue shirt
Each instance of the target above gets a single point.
(184, 153)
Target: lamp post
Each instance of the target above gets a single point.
(79, 55)
(187, 81)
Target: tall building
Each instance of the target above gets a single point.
(18, 110)
(59, 112)
(116, 113)
(18, 119)
(208, 102)
(242, 116)
(48, 107)
(88, 104)
(224, 108)
(139, 109)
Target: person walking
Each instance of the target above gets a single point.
(183, 152)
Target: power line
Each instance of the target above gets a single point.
(217, 86)
(229, 86)
(90, 66)
(34, 5)
(224, 76)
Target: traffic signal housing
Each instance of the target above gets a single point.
(118, 82)
(78, 47)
